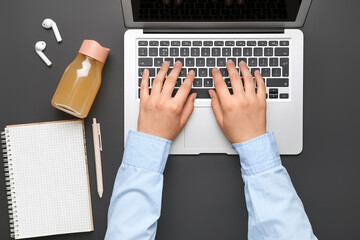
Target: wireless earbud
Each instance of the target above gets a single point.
(39, 47)
(48, 23)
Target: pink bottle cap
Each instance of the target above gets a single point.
(94, 50)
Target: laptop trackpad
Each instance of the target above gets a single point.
(202, 130)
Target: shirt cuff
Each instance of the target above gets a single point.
(146, 151)
(259, 154)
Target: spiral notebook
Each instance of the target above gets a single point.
(47, 179)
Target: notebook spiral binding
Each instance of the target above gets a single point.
(9, 179)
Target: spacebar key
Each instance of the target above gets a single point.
(201, 93)
(277, 82)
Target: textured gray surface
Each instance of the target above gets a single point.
(203, 195)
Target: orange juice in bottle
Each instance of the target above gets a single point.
(81, 80)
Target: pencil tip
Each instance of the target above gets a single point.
(100, 194)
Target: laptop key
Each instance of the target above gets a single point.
(208, 82)
(258, 52)
(284, 95)
(265, 72)
(216, 52)
(197, 43)
(184, 52)
(262, 43)
(273, 91)
(263, 62)
(284, 43)
(229, 43)
(210, 62)
(153, 52)
(205, 52)
(175, 43)
(143, 43)
(284, 63)
(268, 51)
(194, 69)
(154, 43)
(158, 62)
(181, 60)
(232, 59)
(273, 43)
(281, 51)
(274, 62)
(197, 82)
(226, 52)
(276, 72)
(208, 43)
(221, 62)
(219, 43)
(164, 52)
(164, 43)
(247, 51)
(171, 61)
(203, 72)
(183, 72)
(151, 72)
(224, 72)
(200, 62)
(253, 70)
(277, 82)
(252, 62)
(236, 52)
(251, 43)
(174, 52)
(242, 59)
(273, 96)
(195, 52)
(190, 62)
(142, 51)
(186, 43)
(228, 82)
(147, 62)
(240, 43)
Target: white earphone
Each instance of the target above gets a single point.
(39, 47)
(48, 23)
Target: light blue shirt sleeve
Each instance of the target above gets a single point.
(275, 210)
(136, 199)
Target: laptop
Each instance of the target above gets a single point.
(206, 33)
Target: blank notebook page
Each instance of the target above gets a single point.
(51, 185)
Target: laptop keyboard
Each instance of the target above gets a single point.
(271, 58)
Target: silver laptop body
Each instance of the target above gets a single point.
(204, 34)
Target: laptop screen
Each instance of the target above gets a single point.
(215, 10)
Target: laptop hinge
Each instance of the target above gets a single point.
(212, 31)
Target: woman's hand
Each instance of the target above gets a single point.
(161, 114)
(241, 116)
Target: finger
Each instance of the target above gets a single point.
(144, 87)
(187, 109)
(185, 88)
(159, 79)
(216, 107)
(235, 79)
(171, 79)
(261, 89)
(220, 85)
(248, 78)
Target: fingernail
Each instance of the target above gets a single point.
(166, 63)
(211, 93)
(178, 63)
(146, 71)
(194, 97)
(230, 61)
(192, 72)
(242, 63)
(215, 69)
(257, 72)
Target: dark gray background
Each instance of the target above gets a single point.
(203, 195)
